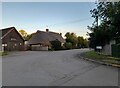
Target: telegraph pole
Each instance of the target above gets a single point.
(97, 15)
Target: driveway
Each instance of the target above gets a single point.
(55, 68)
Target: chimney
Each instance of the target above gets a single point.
(38, 31)
(61, 34)
(47, 30)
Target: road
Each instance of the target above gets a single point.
(55, 68)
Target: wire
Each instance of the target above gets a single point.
(69, 22)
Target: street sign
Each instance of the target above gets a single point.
(98, 47)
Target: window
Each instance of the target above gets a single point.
(20, 43)
(15, 44)
(13, 38)
(4, 44)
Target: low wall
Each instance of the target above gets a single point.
(39, 48)
(107, 49)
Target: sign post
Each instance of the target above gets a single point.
(99, 48)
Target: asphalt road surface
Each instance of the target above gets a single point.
(55, 68)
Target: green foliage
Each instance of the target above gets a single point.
(86, 43)
(29, 36)
(108, 14)
(100, 57)
(3, 53)
(23, 33)
(72, 41)
(71, 38)
(56, 45)
(68, 45)
(51, 49)
(82, 43)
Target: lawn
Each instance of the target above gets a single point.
(3, 53)
(104, 58)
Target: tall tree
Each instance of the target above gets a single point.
(23, 33)
(108, 14)
(71, 38)
(29, 36)
(80, 41)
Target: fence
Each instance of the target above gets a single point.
(116, 50)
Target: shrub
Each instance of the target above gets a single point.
(56, 45)
(3, 53)
(68, 45)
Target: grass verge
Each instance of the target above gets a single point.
(100, 57)
(3, 53)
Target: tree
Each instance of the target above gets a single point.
(23, 33)
(80, 42)
(71, 38)
(72, 41)
(29, 36)
(68, 45)
(86, 43)
(109, 15)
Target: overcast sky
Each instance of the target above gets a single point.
(58, 16)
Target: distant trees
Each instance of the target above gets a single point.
(108, 14)
(82, 43)
(25, 35)
(29, 36)
(71, 38)
(72, 41)
(68, 45)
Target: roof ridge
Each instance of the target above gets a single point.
(47, 32)
(7, 28)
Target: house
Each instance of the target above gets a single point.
(41, 40)
(11, 40)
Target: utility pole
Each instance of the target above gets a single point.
(97, 19)
(96, 2)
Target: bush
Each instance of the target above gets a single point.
(50, 49)
(56, 45)
(3, 53)
(68, 45)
